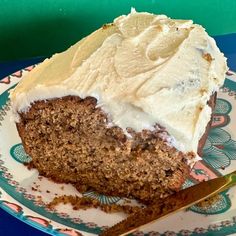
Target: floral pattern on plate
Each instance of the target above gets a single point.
(25, 195)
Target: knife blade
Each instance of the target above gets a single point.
(175, 202)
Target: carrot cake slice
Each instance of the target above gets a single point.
(126, 110)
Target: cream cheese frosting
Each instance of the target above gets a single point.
(143, 69)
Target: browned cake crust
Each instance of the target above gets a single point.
(69, 141)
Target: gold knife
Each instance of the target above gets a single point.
(175, 202)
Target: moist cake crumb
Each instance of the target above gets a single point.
(69, 147)
(83, 203)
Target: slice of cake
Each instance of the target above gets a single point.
(126, 110)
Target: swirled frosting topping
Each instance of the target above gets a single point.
(143, 69)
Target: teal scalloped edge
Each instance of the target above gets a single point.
(4, 97)
(10, 190)
(230, 84)
(224, 230)
(218, 232)
(20, 216)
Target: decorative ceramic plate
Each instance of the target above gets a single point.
(25, 195)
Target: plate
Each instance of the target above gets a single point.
(25, 194)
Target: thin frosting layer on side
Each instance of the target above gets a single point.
(143, 69)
